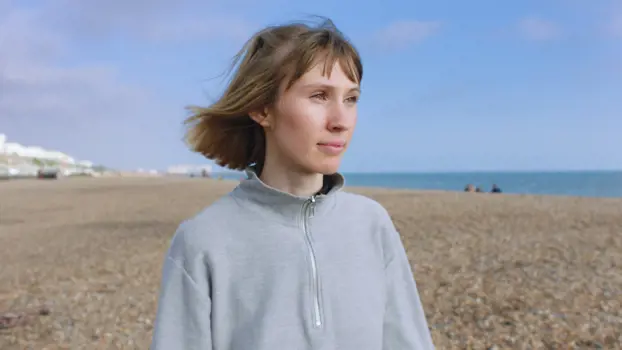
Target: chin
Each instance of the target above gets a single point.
(327, 167)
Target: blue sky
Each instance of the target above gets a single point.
(448, 86)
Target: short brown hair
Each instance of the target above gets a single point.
(224, 131)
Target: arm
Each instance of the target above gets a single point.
(184, 306)
(405, 324)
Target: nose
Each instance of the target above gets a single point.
(341, 117)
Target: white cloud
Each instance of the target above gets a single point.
(534, 28)
(34, 85)
(53, 93)
(155, 20)
(21, 37)
(36, 82)
(401, 34)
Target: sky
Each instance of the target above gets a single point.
(448, 85)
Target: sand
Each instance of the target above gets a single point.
(81, 259)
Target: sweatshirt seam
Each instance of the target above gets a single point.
(391, 259)
(393, 248)
(195, 287)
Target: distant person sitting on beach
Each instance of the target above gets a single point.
(469, 188)
(287, 260)
(495, 189)
(478, 189)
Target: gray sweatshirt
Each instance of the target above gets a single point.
(261, 269)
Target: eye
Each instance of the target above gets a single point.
(352, 99)
(322, 96)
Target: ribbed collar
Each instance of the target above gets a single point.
(283, 206)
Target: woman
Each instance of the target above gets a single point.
(287, 260)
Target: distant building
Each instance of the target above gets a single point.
(189, 170)
(85, 163)
(147, 171)
(15, 150)
(14, 154)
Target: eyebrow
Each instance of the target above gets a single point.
(330, 87)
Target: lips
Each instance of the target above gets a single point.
(333, 148)
(335, 144)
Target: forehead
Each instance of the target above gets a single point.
(324, 73)
(334, 73)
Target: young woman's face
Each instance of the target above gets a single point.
(312, 121)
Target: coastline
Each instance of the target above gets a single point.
(163, 179)
(591, 184)
(605, 184)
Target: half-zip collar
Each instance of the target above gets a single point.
(283, 205)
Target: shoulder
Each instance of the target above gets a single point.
(366, 211)
(207, 226)
(369, 214)
(362, 205)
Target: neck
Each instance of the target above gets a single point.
(290, 180)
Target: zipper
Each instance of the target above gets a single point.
(308, 210)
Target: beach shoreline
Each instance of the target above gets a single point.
(348, 186)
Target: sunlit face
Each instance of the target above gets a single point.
(312, 121)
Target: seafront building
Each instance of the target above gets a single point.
(27, 160)
(189, 170)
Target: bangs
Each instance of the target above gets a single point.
(348, 61)
(326, 48)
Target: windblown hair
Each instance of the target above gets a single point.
(274, 57)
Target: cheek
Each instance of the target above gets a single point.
(292, 140)
(296, 127)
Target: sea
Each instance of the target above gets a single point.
(568, 183)
(571, 183)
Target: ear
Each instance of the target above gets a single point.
(261, 117)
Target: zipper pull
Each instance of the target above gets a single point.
(312, 206)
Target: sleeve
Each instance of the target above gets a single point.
(405, 324)
(184, 305)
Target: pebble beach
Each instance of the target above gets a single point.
(81, 259)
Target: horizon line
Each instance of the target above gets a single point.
(472, 171)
